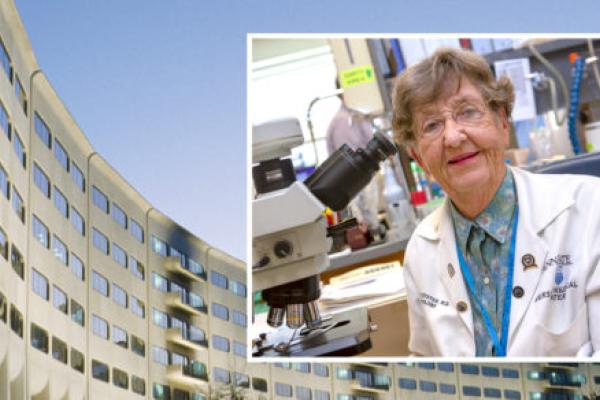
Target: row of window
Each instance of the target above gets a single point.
(16, 317)
(101, 201)
(120, 378)
(469, 369)
(188, 331)
(60, 301)
(41, 180)
(6, 66)
(318, 369)
(40, 341)
(120, 337)
(366, 378)
(17, 201)
(101, 242)
(302, 392)
(448, 388)
(101, 285)
(16, 258)
(61, 155)
(59, 249)
(220, 280)
(161, 248)
(188, 297)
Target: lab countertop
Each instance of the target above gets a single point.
(343, 258)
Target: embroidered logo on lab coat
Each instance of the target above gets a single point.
(562, 261)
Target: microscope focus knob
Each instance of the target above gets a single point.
(283, 248)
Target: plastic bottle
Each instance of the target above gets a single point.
(399, 210)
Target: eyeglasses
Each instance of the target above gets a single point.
(465, 114)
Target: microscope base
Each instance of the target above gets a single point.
(343, 334)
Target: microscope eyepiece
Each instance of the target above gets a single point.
(346, 172)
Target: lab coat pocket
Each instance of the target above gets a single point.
(567, 342)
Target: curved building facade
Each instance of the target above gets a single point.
(101, 295)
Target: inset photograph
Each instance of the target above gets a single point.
(424, 196)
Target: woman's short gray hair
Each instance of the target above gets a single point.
(438, 75)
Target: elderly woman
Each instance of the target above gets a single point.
(508, 265)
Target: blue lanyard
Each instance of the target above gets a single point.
(499, 345)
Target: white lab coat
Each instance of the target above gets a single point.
(559, 215)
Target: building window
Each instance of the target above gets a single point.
(137, 231)
(196, 268)
(138, 346)
(221, 375)
(19, 149)
(119, 215)
(99, 199)
(77, 313)
(161, 392)
(471, 391)
(447, 388)
(77, 221)
(119, 295)
(241, 380)
(42, 130)
(20, 93)
(179, 359)
(220, 343)
(321, 395)
(59, 350)
(492, 393)
(137, 307)
(18, 205)
(77, 176)
(160, 355)
(160, 282)
(3, 307)
(100, 241)
(239, 349)
(77, 360)
(40, 232)
(469, 369)
(16, 319)
(159, 247)
(426, 365)
(16, 259)
(220, 311)
(303, 393)
(60, 250)
(39, 338)
(3, 244)
(321, 370)
(39, 284)
(4, 183)
(59, 300)
(160, 318)
(100, 283)
(238, 288)
(446, 367)
(41, 180)
(61, 155)
(4, 121)
(99, 327)
(136, 267)
(490, 371)
(119, 255)
(302, 367)
(61, 203)
(407, 383)
(120, 379)
(510, 373)
(238, 318)
(427, 386)
(138, 385)
(120, 337)
(512, 394)
(5, 61)
(218, 279)
(77, 267)
(100, 371)
(260, 385)
(283, 389)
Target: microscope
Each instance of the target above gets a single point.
(291, 241)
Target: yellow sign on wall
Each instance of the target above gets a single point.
(356, 76)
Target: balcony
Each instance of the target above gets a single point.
(190, 304)
(378, 365)
(178, 337)
(359, 387)
(192, 377)
(174, 265)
